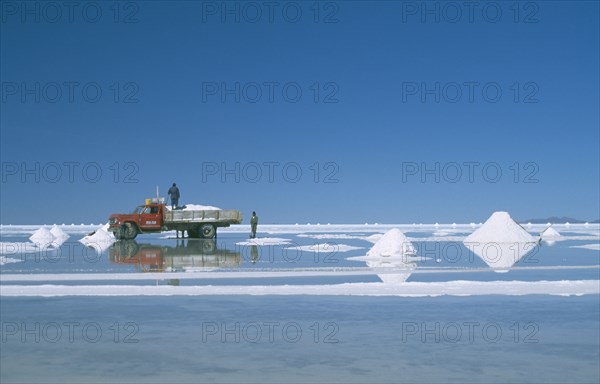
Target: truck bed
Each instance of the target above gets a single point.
(197, 216)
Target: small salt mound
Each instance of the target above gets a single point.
(550, 233)
(392, 250)
(57, 232)
(392, 244)
(100, 240)
(550, 236)
(500, 242)
(60, 236)
(42, 237)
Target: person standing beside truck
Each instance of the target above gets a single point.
(253, 225)
(174, 194)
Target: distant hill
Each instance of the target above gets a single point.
(558, 220)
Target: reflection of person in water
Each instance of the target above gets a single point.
(253, 254)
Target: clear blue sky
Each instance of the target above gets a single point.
(379, 109)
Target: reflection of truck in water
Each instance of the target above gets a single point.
(196, 254)
(154, 217)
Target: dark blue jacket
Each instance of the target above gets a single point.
(174, 192)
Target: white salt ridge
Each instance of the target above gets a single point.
(500, 242)
(413, 289)
(8, 260)
(322, 236)
(392, 244)
(594, 247)
(265, 241)
(42, 237)
(325, 248)
(10, 248)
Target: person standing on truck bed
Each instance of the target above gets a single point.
(253, 225)
(174, 193)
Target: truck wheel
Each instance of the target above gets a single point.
(128, 231)
(208, 231)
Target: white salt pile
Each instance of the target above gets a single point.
(392, 244)
(42, 237)
(196, 207)
(500, 242)
(550, 233)
(500, 228)
(57, 232)
(393, 250)
(60, 236)
(100, 240)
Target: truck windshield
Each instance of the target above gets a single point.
(139, 209)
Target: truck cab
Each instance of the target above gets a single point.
(147, 218)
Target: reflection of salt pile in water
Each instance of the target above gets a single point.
(60, 236)
(407, 263)
(550, 235)
(100, 239)
(392, 250)
(42, 237)
(500, 242)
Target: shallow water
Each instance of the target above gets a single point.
(158, 253)
(301, 339)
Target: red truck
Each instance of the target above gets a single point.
(155, 217)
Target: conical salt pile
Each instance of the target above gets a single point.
(500, 242)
